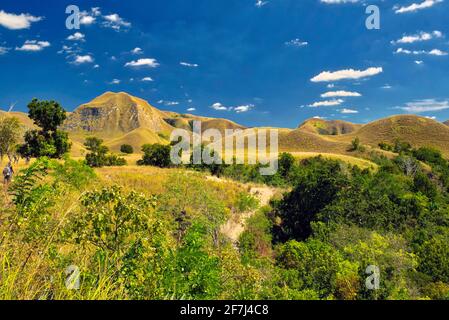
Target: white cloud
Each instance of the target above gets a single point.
(434, 52)
(96, 66)
(191, 109)
(115, 22)
(77, 36)
(218, 106)
(328, 76)
(333, 94)
(190, 65)
(348, 111)
(137, 51)
(260, 3)
(147, 79)
(425, 105)
(33, 45)
(419, 62)
(417, 6)
(338, 1)
(387, 87)
(17, 22)
(296, 43)
(244, 108)
(88, 18)
(421, 36)
(326, 103)
(149, 62)
(3, 50)
(83, 59)
(115, 81)
(168, 103)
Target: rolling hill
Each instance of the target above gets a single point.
(119, 118)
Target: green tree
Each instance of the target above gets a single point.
(98, 155)
(9, 135)
(157, 155)
(286, 163)
(48, 141)
(126, 148)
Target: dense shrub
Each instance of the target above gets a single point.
(126, 148)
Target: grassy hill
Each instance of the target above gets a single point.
(418, 131)
(325, 127)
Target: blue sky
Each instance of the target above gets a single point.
(259, 63)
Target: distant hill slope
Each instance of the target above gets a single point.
(418, 131)
(185, 121)
(328, 127)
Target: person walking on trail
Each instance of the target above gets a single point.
(8, 172)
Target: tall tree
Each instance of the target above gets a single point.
(49, 141)
(9, 134)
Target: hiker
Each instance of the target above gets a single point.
(27, 160)
(16, 159)
(8, 172)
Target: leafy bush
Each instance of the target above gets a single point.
(157, 155)
(98, 156)
(126, 148)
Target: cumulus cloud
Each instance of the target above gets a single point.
(33, 45)
(77, 36)
(296, 43)
(17, 22)
(327, 76)
(89, 17)
(191, 109)
(190, 65)
(115, 81)
(220, 107)
(419, 37)
(326, 103)
(147, 79)
(115, 22)
(426, 105)
(244, 108)
(348, 111)
(148, 62)
(417, 6)
(137, 51)
(333, 94)
(83, 59)
(434, 52)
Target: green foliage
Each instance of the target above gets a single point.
(9, 135)
(110, 217)
(434, 258)
(98, 156)
(157, 155)
(48, 115)
(286, 162)
(356, 145)
(48, 141)
(246, 202)
(126, 148)
(316, 187)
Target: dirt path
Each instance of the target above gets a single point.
(237, 224)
